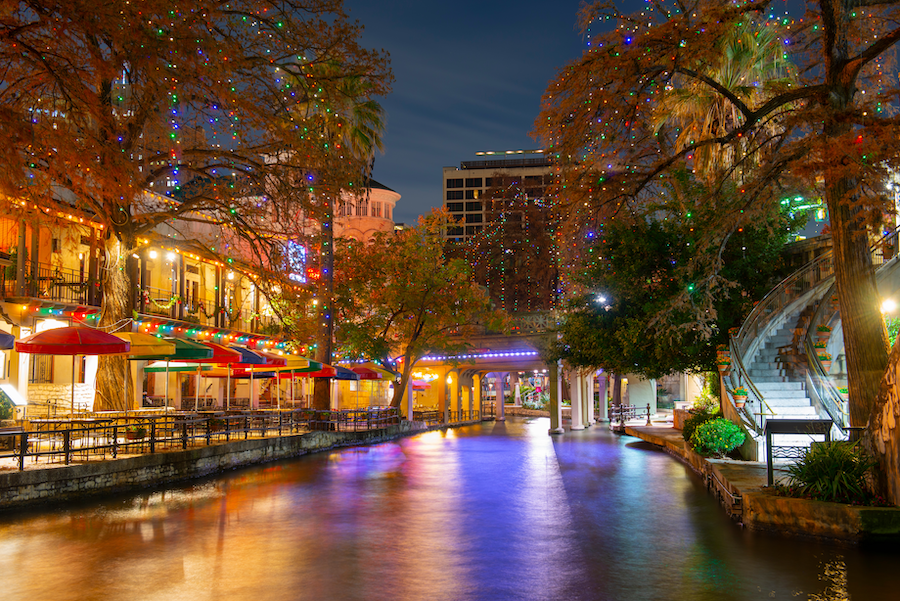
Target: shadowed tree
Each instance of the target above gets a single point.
(833, 132)
(104, 101)
(398, 297)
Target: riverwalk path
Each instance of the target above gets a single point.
(741, 487)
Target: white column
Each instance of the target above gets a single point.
(588, 381)
(501, 416)
(575, 389)
(410, 396)
(254, 393)
(220, 392)
(601, 393)
(558, 387)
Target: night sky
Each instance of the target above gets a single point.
(469, 76)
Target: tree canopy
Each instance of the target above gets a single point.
(400, 297)
(832, 129)
(644, 283)
(104, 102)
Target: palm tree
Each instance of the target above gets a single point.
(350, 125)
(751, 66)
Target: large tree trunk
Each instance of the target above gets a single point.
(114, 387)
(865, 335)
(882, 438)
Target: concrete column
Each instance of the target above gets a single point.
(175, 391)
(220, 391)
(137, 376)
(476, 393)
(500, 413)
(575, 388)
(409, 399)
(513, 387)
(555, 385)
(453, 386)
(603, 415)
(441, 384)
(587, 387)
(254, 393)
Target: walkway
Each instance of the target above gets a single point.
(741, 488)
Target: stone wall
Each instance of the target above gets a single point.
(60, 395)
(30, 487)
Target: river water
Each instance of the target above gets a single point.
(494, 511)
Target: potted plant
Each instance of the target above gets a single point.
(820, 344)
(825, 360)
(823, 332)
(739, 395)
(844, 392)
(724, 364)
(136, 432)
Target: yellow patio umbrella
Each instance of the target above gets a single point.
(143, 346)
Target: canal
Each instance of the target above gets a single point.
(494, 511)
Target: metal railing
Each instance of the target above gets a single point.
(100, 438)
(809, 281)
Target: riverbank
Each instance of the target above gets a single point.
(741, 487)
(63, 483)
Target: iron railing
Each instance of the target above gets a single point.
(99, 437)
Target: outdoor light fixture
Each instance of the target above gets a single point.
(889, 305)
(170, 256)
(152, 254)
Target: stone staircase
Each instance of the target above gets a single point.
(778, 371)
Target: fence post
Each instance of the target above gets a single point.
(153, 436)
(115, 443)
(648, 414)
(184, 434)
(23, 448)
(66, 444)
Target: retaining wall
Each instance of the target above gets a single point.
(64, 483)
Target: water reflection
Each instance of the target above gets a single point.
(496, 511)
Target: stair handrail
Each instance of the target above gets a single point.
(739, 377)
(778, 298)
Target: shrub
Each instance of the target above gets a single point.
(832, 471)
(716, 438)
(699, 415)
(7, 408)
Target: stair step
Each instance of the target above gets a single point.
(790, 385)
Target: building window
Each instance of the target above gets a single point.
(473, 206)
(472, 194)
(471, 230)
(362, 209)
(455, 207)
(376, 208)
(455, 183)
(473, 218)
(454, 194)
(387, 211)
(454, 231)
(473, 182)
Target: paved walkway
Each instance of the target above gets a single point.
(742, 476)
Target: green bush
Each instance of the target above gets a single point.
(7, 408)
(716, 438)
(832, 471)
(699, 415)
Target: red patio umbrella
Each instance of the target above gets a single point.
(72, 340)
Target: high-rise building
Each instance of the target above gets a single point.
(504, 228)
(465, 187)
